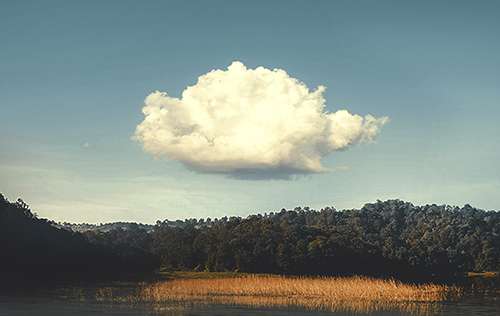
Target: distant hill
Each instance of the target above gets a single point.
(105, 227)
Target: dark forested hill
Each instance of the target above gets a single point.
(383, 238)
(34, 249)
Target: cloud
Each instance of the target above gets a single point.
(250, 123)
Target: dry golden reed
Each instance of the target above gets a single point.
(360, 294)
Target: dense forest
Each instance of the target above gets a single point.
(391, 237)
(384, 238)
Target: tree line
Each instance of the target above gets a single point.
(383, 238)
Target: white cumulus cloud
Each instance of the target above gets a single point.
(245, 122)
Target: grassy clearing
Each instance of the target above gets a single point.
(324, 293)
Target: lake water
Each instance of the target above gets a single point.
(482, 298)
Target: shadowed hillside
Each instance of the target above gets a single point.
(34, 249)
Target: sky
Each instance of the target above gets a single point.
(75, 77)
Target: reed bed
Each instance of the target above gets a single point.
(359, 294)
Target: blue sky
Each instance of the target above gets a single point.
(74, 75)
